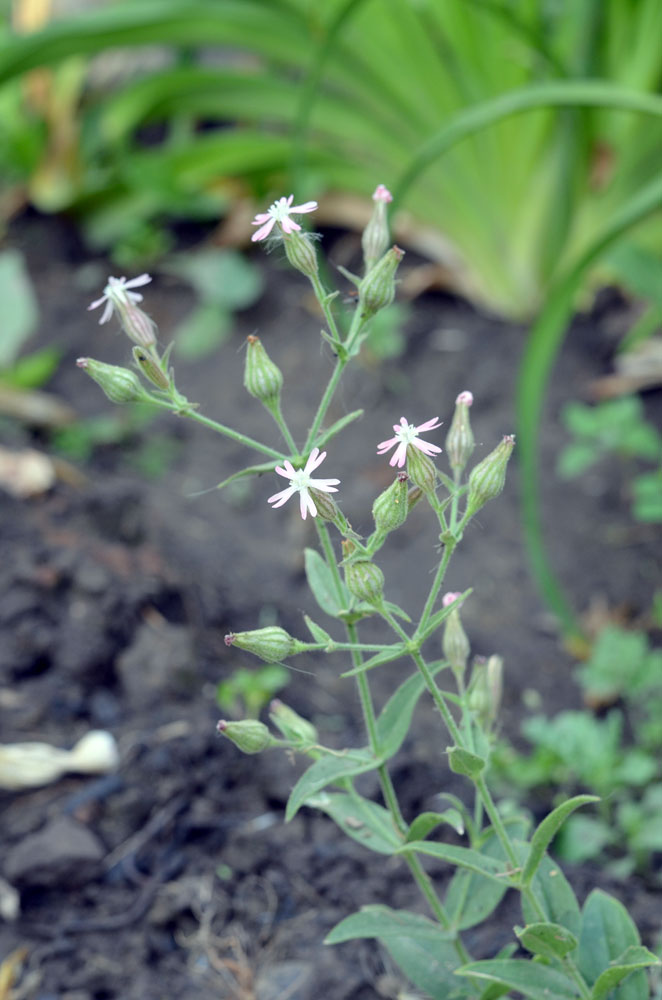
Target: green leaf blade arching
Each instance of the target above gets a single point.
(326, 771)
(321, 582)
(364, 821)
(547, 830)
(538, 982)
(607, 935)
(422, 949)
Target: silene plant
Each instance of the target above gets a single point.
(559, 949)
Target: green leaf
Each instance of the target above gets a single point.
(33, 370)
(251, 470)
(554, 893)
(395, 717)
(323, 585)
(531, 979)
(470, 898)
(374, 661)
(336, 427)
(463, 857)
(426, 822)
(633, 958)
(606, 931)
(546, 831)
(368, 823)
(223, 278)
(326, 771)
(420, 947)
(21, 313)
(205, 329)
(395, 610)
(318, 633)
(549, 940)
(464, 762)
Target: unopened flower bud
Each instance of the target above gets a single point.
(137, 325)
(329, 510)
(391, 507)
(272, 643)
(262, 378)
(460, 440)
(454, 640)
(365, 581)
(375, 235)
(377, 289)
(422, 470)
(486, 688)
(150, 368)
(120, 384)
(249, 735)
(301, 253)
(487, 479)
(291, 724)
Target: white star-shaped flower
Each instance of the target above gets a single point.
(301, 482)
(279, 213)
(116, 294)
(405, 435)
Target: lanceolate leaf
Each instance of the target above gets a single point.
(326, 771)
(395, 718)
(462, 857)
(633, 958)
(606, 931)
(360, 819)
(422, 949)
(554, 893)
(546, 832)
(538, 982)
(323, 585)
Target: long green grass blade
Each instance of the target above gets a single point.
(542, 348)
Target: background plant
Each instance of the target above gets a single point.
(586, 953)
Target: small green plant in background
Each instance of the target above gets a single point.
(246, 692)
(616, 757)
(616, 427)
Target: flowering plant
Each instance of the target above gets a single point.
(564, 951)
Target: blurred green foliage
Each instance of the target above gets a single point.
(224, 98)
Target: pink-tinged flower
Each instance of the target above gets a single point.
(465, 397)
(447, 599)
(116, 295)
(301, 482)
(382, 194)
(280, 213)
(405, 435)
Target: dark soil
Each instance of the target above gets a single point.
(116, 592)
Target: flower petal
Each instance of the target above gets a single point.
(287, 471)
(289, 226)
(308, 206)
(315, 459)
(278, 499)
(142, 279)
(385, 446)
(426, 447)
(429, 425)
(262, 233)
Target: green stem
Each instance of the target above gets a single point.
(277, 414)
(449, 548)
(341, 361)
(228, 432)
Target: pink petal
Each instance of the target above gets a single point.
(287, 471)
(315, 459)
(325, 485)
(260, 218)
(107, 313)
(426, 447)
(142, 279)
(306, 504)
(399, 455)
(278, 499)
(385, 446)
(289, 226)
(262, 234)
(308, 206)
(429, 425)
(96, 303)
